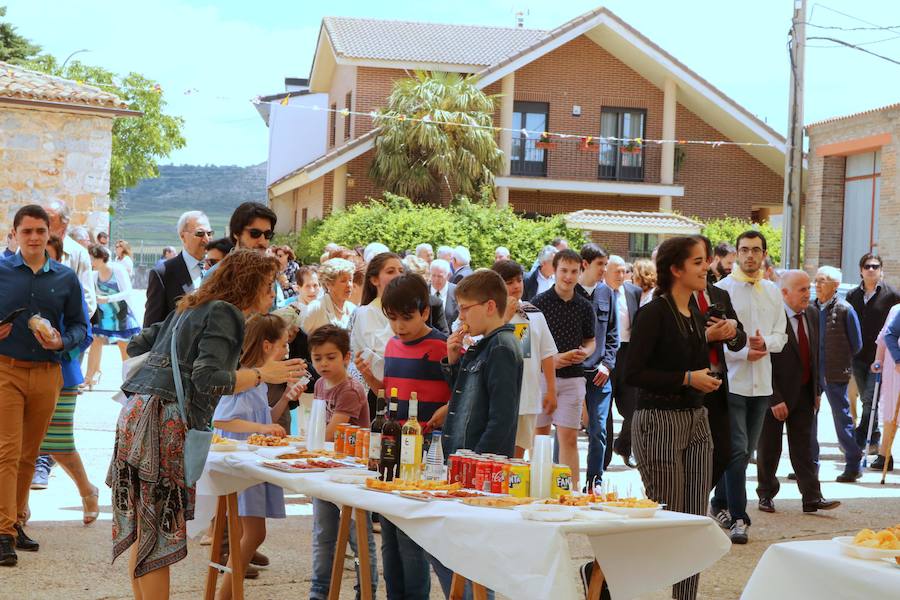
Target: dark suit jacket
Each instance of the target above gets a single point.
(165, 286)
(530, 285)
(787, 368)
(719, 296)
(606, 330)
(437, 319)
(463, 272)
(451, 307)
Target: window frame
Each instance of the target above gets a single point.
(649, 242)
(621, 172)
(517, 164)
(333, 131)
(348, 103)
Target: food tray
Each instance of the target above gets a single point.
(430, 495)
(850, 549)
(633, 513)
(546, 512)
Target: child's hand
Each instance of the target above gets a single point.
(272, 429)
(363, 366)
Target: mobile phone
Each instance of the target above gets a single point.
(12, 316)
(715, 311)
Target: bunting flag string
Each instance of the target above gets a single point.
(545, 139)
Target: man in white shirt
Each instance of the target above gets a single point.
(759, 307)
(542, 276)
(75, 256)
(442, 289)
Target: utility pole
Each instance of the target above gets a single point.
(793, 162)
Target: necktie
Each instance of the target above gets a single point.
(438, 294)
(704, 306)
(803, 342)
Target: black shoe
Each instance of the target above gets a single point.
(8, 557)
(878, 464)
(820, 504)
(766, 505)
(23, 542)
(848, 476)
(792, 476)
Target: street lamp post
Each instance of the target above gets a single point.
(62, 68)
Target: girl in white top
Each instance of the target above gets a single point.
(371, 330)
(334, 307)
(123, 257)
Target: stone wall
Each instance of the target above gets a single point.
(48, 156)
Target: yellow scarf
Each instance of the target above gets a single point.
(754, 279)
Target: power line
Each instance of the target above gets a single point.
(855, 47)
(874, 28)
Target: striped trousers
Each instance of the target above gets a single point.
(674, 450)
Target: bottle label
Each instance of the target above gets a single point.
(388, 448)
(408, 450)
(375, 446)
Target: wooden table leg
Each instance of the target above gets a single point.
(340, 550)
(215, 553)
(234, 549)
(479, 592)
(362, 549)
(596, 585)
(457, 587)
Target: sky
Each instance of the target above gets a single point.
(212, 58)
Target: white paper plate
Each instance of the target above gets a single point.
(546, 512)
(850, 549)
(349, 475)
(633, 513)
(225, 447)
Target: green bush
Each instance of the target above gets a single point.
(727, 229)
(401, 224)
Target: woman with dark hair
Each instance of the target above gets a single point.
(151, 499)
(668, 363)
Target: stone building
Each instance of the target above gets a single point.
(851, 196)
(55, 143)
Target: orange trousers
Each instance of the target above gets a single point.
(28, 394)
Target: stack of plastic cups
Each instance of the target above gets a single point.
(542, 466)
(315, 429)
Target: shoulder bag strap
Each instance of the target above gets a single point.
(176, 368)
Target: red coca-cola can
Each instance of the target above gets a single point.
(498, 476)
(467, 471)
(454, 468)
(483, 474)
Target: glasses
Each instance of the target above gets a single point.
(463, 309)
(256, 233)
(754, 251)
(204, 233)
(871, 267)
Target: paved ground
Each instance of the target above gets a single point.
(74, 562)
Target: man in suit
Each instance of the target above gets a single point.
(181, 274)
(542, 276)
(715, 301)
(795, 401)
(598, 366)
(445, 291)
(460, 262)
(627, 300)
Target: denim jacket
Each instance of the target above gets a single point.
(484, 405)
(209, 347)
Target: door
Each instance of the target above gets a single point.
(862, 183)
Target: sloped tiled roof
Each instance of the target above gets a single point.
(24, 84)
(426, 42)
(853, 115)
(633, 222)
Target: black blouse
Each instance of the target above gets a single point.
(664, 345)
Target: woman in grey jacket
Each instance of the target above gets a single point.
(151, 501)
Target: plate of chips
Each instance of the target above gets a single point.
(872, 545)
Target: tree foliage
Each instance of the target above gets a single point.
(14, 48)
(728, 229)
(401, 224)
(415, 158)
(138, 142)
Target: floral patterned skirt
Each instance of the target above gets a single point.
(151, 503)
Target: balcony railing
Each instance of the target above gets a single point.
(570, 159)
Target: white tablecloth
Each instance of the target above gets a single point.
(497, 548)
(818, 569)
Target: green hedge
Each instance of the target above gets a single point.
(401, 224)
(728, 228)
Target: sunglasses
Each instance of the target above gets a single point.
(255, 233)
(871, 267)
(204, 233)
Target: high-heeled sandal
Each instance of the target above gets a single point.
(91, 381)
(90, 516)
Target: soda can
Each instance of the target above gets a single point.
(339, 437)
(467, 470)
(350, 436)
(561, 481)
(483, 468)
(454, 467)
(518, 479)
(362, 443)
(498, 476)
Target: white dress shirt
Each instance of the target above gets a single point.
(544, 283)
(790, 317)
(758, 309)
(76, 257)
(624, 319)
(194, 268)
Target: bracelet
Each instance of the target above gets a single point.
(258, 375)
(689, 378)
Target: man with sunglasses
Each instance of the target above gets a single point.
(182, 273)
(872, 301)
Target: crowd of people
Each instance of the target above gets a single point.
(706, 352)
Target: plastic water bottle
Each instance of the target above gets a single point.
(434, 460)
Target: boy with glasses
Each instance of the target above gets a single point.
(872, 301)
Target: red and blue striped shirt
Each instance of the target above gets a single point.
(416, 367)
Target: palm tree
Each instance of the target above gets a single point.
(414, 157)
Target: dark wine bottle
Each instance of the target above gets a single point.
(389, 463)
(375, 436)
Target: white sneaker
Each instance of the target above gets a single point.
(739, 532)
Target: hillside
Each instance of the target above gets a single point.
(151, 208)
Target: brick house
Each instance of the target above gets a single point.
(55, 144)
(851, 196)
(593, 76)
